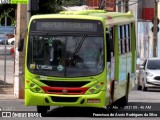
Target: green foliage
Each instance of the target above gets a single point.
(8, 10)
(45, 6)
(55, 6)
(71, 2)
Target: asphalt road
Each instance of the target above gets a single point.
(138, 103)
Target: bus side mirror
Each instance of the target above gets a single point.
(20, 45)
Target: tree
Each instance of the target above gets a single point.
(46, 6)
(72, 2)
(54, 6)
(8, 10)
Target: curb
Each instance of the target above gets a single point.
(7, 97)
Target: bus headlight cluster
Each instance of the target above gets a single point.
(35, 88)
(95, 89)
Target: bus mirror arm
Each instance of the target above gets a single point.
(20, 45)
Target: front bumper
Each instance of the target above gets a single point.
(42, 99)
(151, 82)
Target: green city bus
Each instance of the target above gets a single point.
(79, 58)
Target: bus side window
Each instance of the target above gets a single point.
(108, 48)
(123, 39)
(112, 41)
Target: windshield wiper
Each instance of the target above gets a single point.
(76, 50)
(80, 44)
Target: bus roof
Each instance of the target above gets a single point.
(109, 17)
(97, 13)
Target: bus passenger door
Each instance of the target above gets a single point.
(110, 61)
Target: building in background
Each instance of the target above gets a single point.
(110, 5)
(122, 5)
(145, 16)
(143, 11)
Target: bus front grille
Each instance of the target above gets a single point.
(63, 90)
(64, 99)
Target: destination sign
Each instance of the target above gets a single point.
(66, 26)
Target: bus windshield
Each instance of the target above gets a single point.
(66, 55)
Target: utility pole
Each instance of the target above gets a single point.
(5, 55)
(155, 29)
(28, 11)
(19, 57)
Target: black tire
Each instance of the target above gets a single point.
(127, 90)
(124, 100)
(144, 88)
(111, 104)
(139, 87)
(43, 109)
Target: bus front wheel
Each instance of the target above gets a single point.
(43, 109)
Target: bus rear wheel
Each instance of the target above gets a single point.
(139, 87)
(127, 90)
(111, 103)
(43, 109)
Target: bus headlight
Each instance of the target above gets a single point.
(32, 85)
(97, 86)
(35, 88)
(92, 91)
(38, 89)
(95, 89)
